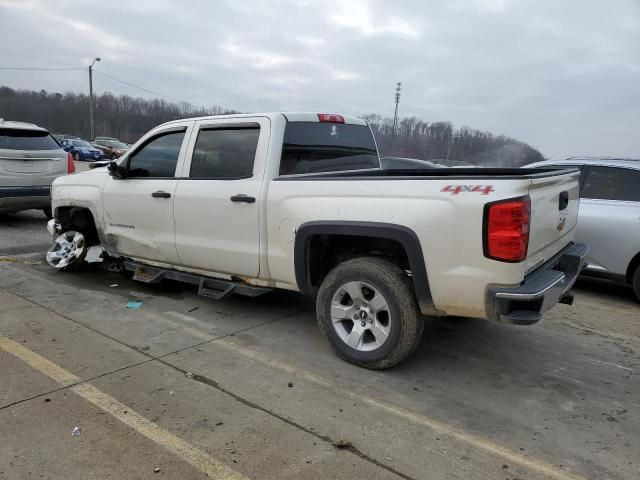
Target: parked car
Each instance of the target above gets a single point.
(83, 150)
(111, 148)
(248, 203)
(64, 136)
(609, 218)
(106, 138)
(401, 163)
(30, 159)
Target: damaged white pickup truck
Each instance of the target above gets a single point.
(248, 203)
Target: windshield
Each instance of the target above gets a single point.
(13, 139)
(313, 147)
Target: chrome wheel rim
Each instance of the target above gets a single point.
(361, 317)
(66, 249)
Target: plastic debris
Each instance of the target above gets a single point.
(189, 375)
(94, 254)
(113, 285)
(75, 432)
(156, 470)
(171, 393)
(290, 385)
(135, 304)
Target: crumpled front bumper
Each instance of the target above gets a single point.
(541, 289)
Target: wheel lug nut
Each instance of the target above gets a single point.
(363, 323)
(355, 317)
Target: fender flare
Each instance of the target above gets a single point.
(401, 234)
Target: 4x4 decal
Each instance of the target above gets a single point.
(456, 189)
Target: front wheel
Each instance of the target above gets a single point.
(76, 157)
(68, 251)
(367, 309)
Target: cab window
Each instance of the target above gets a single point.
(225, 153)
(158, 157)
(612, 183)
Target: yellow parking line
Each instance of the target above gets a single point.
(185, 451)
(530, 463)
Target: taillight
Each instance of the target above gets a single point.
(330, 118)
(71, 166)
(506, 229)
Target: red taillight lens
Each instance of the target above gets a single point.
(331, 118)
(71, 166)
(507, 230)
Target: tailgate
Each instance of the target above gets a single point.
(554, 214)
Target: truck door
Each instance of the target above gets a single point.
(139, 209)
(217, 201)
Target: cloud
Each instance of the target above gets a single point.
(562, 76)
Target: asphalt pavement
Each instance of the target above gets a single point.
(186, 387)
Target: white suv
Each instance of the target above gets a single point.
(30, 159)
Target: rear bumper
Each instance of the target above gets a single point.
(13, 199)
(541, 289)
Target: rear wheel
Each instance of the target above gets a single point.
(68, 251)
(636, 282)
(367, 309)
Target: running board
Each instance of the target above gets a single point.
(214, 288)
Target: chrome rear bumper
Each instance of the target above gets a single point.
(541, 289)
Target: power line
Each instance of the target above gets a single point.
(34, 68)
(138, 87)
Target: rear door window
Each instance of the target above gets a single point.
(225, 153)
(313, 147)
(612, 183)
(13, 139)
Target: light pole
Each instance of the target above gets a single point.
(97, 59)
(395, 114)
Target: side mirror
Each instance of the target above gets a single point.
(115, 170)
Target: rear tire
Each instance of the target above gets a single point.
(47, 213)
(366, 307)
(635, 282)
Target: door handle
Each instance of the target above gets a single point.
(161, 194)
(240, 198)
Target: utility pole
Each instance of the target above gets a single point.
(395, 115)
(97, 59)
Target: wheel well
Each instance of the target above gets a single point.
(635, 262)
(78, 218)
(324, 252)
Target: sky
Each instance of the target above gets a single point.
(561, 75)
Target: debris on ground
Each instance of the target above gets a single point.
(219, 423)
(75, 432)
(17, 260)
(289, 384)
(171, 393)
(156, 470)
(341, 444)
(135, 304)
(388, 459)
(94, 254)
(193, 309)
(189, 375)
(113, 285)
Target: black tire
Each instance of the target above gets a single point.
(635, 282)
(47, 213)
(76, 157)
(406, 324)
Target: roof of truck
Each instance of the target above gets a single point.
(20, 125)
(289, 116)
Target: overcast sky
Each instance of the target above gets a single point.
(562, 75)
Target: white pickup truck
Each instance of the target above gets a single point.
(297, 201)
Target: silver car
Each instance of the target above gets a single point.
(609, 218)
(30, 159)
